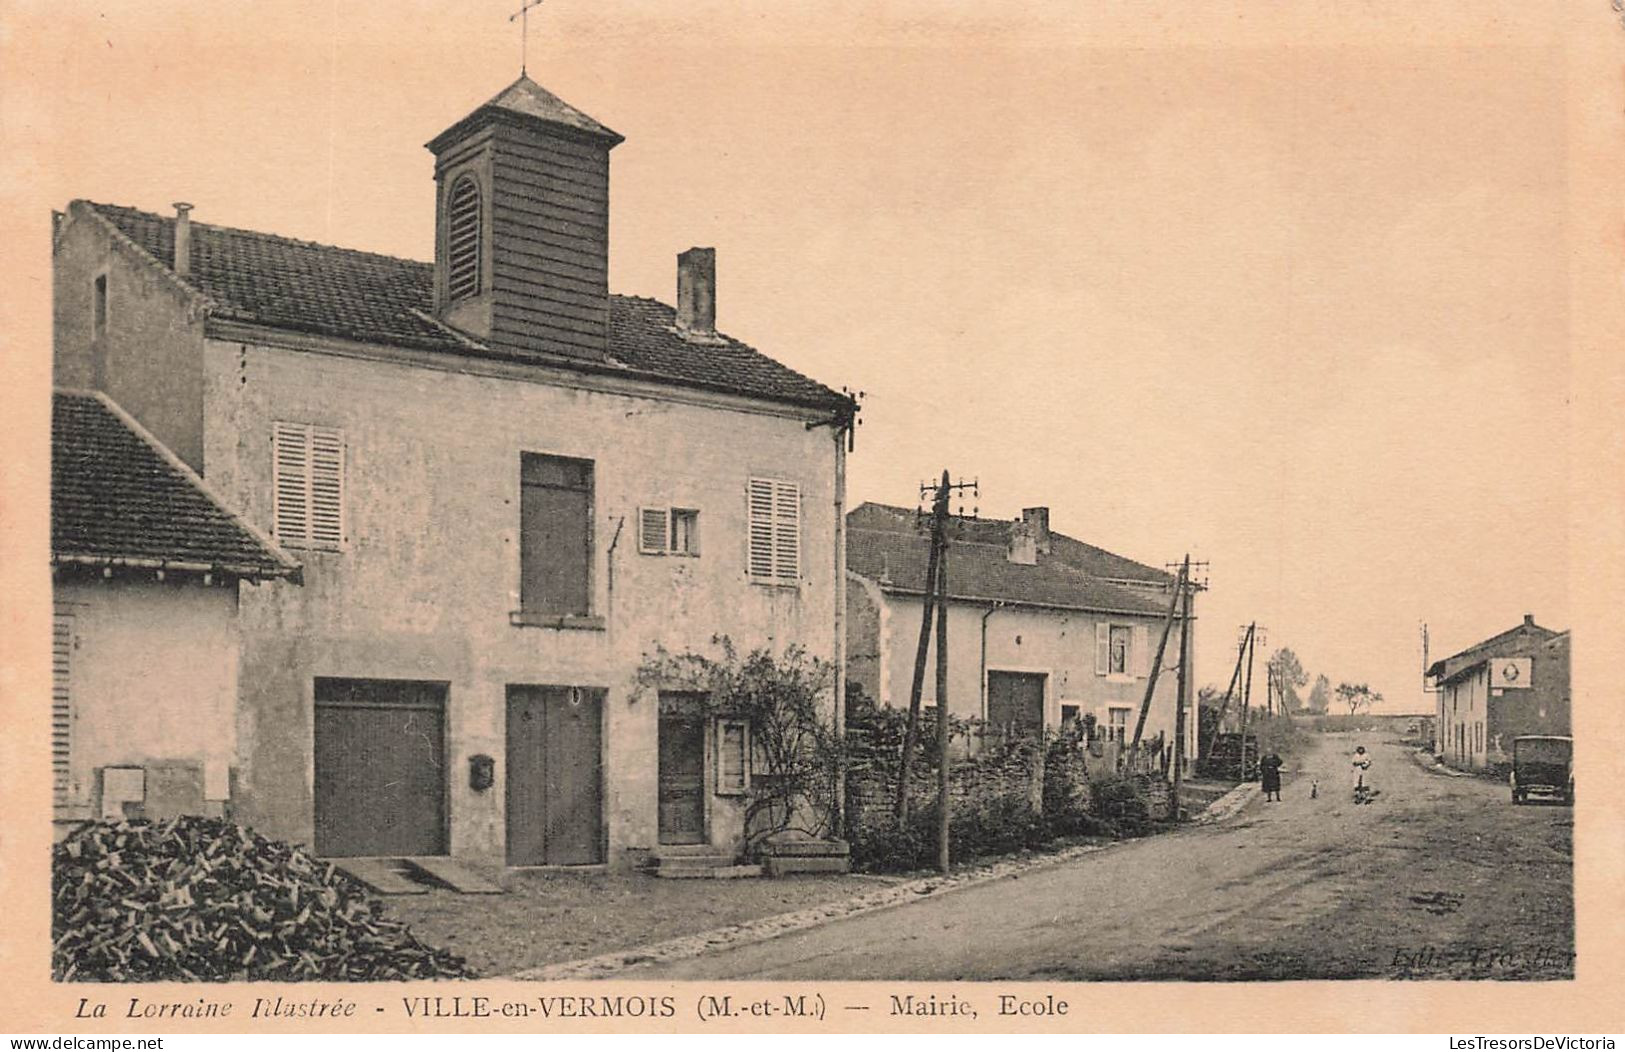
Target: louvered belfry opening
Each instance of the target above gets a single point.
(463, 239)
(522, 236)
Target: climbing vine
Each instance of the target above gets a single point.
(786, 700)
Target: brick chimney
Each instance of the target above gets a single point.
(1529, 620)
(183, 238)
(1037, 520)
(697, 294)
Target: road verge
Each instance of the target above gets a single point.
(686, 947)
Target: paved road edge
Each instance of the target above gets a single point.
(684, 947)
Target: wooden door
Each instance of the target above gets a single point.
(1015, 702)
(554, 776)
(682, 778)
(380, 768)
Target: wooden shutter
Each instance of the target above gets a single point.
(1103, 648)
(652, 531)
(290, 483)
(307, 473)
(61, 707)
(760, 500)
(326, 487)
(787, 531)
(733, 757)
(1140, 652)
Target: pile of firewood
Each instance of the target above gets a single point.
(204, 899)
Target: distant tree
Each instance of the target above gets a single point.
(1320, 695)
(1286, 676)
(1357, 697)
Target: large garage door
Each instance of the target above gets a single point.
(380, 767)
(1015, 703)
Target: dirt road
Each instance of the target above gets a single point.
(1438, 878)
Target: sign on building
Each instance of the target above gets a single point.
(1511, 673)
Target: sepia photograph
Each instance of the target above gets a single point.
(904, 493)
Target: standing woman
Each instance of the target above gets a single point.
(1271, 768)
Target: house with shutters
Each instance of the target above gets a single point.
(147, 567)
(1512, 684)
(1043, 629)
(504, 487)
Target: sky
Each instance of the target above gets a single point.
(1294, 305)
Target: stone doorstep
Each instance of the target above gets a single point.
(677, 862)
(667, 872)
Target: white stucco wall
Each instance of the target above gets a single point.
(1059, 644)
(153, 675)
(425, 586)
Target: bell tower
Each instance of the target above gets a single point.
(522, 225)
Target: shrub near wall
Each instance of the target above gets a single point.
(1008, 795)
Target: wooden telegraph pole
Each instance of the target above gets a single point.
(1181, 698)
(935, 603)
(944, 724)
(1230, 691)
(1247, 698)
(1156, 662)
(911, 736)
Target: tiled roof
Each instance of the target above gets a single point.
(526, 98)
(883, 545)
(118, 499)
(1495, 646)
(307, 287)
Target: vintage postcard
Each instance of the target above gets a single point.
(738, 516)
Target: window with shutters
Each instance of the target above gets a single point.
(307, 473)
(775, 531)
(62, 707)
(463, 228)
(733, 757)
(1122, 651)
(555, 536)
(668, 531)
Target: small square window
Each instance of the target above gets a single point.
(685, 531)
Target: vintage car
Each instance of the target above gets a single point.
(1542, 765)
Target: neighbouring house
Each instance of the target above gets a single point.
(1512, 684)
(1042, 628)
(506, 487)
(147, 564)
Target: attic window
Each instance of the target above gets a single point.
(463, 239)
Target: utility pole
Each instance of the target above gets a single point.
(934, 596)
(1230, 691)
(1181, 696)
(1247, 697)
(1156, 662)
(911, 736)
(944, 724)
